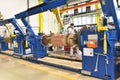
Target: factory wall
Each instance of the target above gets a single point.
(12, 7)
(9, 8)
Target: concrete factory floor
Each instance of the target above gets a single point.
(17, 69)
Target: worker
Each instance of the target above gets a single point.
(71, 30)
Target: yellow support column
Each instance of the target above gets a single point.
(101, 28)
(41, 23)
(56, 11)
(98, 16)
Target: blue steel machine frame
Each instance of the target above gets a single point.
(100, 63)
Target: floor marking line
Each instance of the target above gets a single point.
(38, 68)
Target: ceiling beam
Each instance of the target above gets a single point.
(79, 6)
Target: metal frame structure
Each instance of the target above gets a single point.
(101, 61)
(98, 60)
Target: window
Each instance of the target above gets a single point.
(93, 7)
(75, 11)
(70, 12)
(79, 20)
(83, 9)
(88, 20)
(88, 9)
(75, 21)
(79, 10)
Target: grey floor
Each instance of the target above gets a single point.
(16, 69)
(11, 70)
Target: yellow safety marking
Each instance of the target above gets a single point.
(39, 68)
(26, 44)
(103, 2)
(15, 44)
(28, 64)
(105, 43)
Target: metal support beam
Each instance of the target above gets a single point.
(41, 23)
(27, 25)
(14, 22)
(41, 8)
(7, 26)
(79, 6)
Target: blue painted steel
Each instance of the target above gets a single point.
(38, 49)
(19, 47)
(110, 9)
(14, 22)
(41, 8)
(105, 71)
(89, 63)
(45, 1)
(3, 45)
(18, 27)
(28, 26)
(19, 38)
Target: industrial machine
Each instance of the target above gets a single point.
(19, 35)
(100, 45)
(38, 48)
(3, 44)
(25, 43)
(28, 43)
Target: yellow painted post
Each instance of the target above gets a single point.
(98, 16)
(56, 11)
(41, 23)
(105, 43)
(101, 28)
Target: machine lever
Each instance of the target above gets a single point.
(96, 66)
